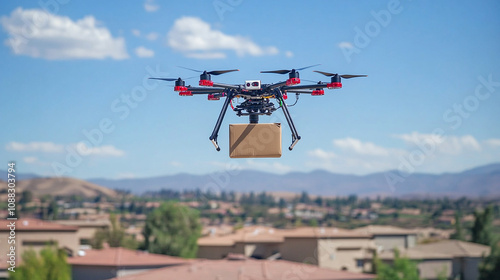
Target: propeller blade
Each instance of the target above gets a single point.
(324, 73)
(288, 71)
(165, 79)
(307, 67)
(343, 76)
(215, 72)
(218, 72)
(352, 76)
(190, 69)
(277, 71)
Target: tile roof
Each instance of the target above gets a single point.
(30, 224)
(124, 257)
(258, 234)
(455, 248)
(384, 230)
(239, 269)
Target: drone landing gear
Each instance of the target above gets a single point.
(295, 134)
(215, 133)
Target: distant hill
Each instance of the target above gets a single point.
(481, 181)
(19, 176)
(61, 186)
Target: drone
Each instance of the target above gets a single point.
(257, 96)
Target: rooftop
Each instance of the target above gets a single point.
(384, 230)
(119, 257)
(456, 248)
(30, 224)
(260, 234)
(241, 268)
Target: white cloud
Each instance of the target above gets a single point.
(207, 55)
(151, 6)
(345, 45)
(107, 150)
(451, 144)
(196, 38)
(277, 167)
(30, 159)
(289, 54)
(46, 147)
(144, 52)
(136, 32)
(321, 154)
(152, 36)
(493, 142)
(39, 34)
(358, 147)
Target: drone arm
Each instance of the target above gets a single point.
(226, 86)
(215, 133)
(295, 134)
(276, 85)
(200, 90)
(315, 86)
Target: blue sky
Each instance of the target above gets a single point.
(76, 100)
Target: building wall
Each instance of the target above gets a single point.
(37, 240)
(389, 242)
(471, 268)
(430, 269)
(218, 252)
(344, 254)
(303, 250)
(411, 241)
(93, 272)
(261, 250)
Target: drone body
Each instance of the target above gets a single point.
(257, 96)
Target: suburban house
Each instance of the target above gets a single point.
(466, 256)
(86, 229)
(239, 267)
(430, 264)
(117, 262)
(390, 237)
(326, 247)
(36, 234)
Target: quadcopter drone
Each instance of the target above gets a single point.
(257, 96)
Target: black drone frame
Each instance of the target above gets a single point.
(256, 101)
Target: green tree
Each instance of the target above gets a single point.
(401, 269)
(459, 232)
(490, 266)
(50, 264)
(115, 236)
(482, 229)
(172, 229)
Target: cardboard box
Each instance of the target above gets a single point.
(262, 140)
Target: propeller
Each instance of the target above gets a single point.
(165, 79)
(343, 76)
(214, 72)
(288, 71)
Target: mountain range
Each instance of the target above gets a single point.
(483, 181)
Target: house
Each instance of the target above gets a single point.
(254, 241)
(36, 234)
(239, 267)
(332, 248)
(117, 262)
(326, 247)
(86, 229)
(466, 256)
(430, 264)
(390, 237)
